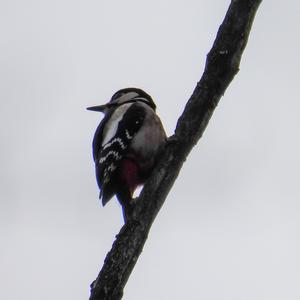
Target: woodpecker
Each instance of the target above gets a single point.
(125, 145)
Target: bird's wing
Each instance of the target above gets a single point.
(98, 137)
(111, 153)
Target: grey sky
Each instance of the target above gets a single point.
(230, 228)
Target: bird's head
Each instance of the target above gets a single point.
(123, 96)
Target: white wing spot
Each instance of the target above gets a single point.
(108, 170)
(115, 140)
(111, 168)
(129, 137)
(113, 153)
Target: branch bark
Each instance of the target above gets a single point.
(222, 65)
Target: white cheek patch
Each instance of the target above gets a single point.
(112, 125)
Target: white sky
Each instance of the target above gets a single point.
(230, 228)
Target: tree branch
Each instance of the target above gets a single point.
(221, 66)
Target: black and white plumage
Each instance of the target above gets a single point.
(126, 144)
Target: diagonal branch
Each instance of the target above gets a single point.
(221, 66)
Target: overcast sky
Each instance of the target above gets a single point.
(230, 228)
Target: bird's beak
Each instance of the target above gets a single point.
(100, 108)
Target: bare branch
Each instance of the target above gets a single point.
(221, 66)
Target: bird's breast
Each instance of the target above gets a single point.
(149, 138)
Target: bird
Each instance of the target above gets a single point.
(126, 145)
